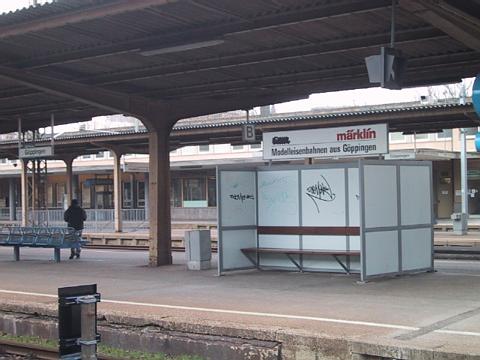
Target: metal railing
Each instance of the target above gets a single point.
(4, 213)
(136, 215)
(103, 220)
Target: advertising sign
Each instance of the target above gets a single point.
(361, 140)
(35, 152)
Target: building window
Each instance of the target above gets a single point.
(212, 192)
(445, 134)
(422, 136)
(100, 155)
(103, 196)
(176, 193)
(3, 161)
(86, 156)
(50, 196)
(86, 196)
(237, 147)
(255, 146)
(194, 192)
(141, 194)
(60, 195)
(204, 148)
(397, 137)
(471, 131)
(127, 195)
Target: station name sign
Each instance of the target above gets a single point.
(362, 140)
(35, 152)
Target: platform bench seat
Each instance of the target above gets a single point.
(55, 238)
(251, 254)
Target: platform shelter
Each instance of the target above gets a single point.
(369, 217)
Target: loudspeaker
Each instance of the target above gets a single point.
(387, 69)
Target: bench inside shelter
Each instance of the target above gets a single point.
(297, 255)
(55, 238)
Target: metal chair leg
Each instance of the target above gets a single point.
(56, 254)
(16, 253)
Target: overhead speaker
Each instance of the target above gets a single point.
(387, 69)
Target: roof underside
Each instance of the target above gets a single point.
(239, 53)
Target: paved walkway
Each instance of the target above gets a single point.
(427, 310)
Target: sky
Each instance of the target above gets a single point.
(372, 96)
(12, 5)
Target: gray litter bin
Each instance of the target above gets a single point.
(459, 223)
(198, 250)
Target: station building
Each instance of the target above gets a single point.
(193, 171)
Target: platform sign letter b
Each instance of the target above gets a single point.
(248, 133)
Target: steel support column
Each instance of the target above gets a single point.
(69, 164)
(159, 197)
(147, 194)
(24, 192)
(12, 200)
(464, 180)
(117, 190)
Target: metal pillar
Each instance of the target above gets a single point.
(24, 192)
(117, 190)
(160, 252)
(464, 179)
(76, 192)
(70, 196)
(12, 200)
(34, 190)
(147, 192)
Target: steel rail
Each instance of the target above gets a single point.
(9, 347)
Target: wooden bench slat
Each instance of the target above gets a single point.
(301, 252)
(309, 230)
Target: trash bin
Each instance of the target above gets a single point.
(460, 222)
(198, 249)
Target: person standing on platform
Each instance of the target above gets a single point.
(75, 216)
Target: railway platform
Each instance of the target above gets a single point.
(295, 314)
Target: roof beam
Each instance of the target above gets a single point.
(287, 53)
(82, 15)
(325, 75)
(224, 30)
(110, 101)
(459, 25)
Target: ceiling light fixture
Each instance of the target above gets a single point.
(181, 48)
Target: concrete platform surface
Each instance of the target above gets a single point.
(430, 311)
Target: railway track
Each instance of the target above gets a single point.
(30, 351)
(27, 351)
(454, 250)
(133, 247)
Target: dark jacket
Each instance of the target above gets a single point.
(75, 216)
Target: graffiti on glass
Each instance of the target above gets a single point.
(241, 197)
(320, 191)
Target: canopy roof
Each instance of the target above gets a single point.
(399, 117)
(163, 60)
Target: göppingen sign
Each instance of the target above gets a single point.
(362, 140)
(35, 152)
